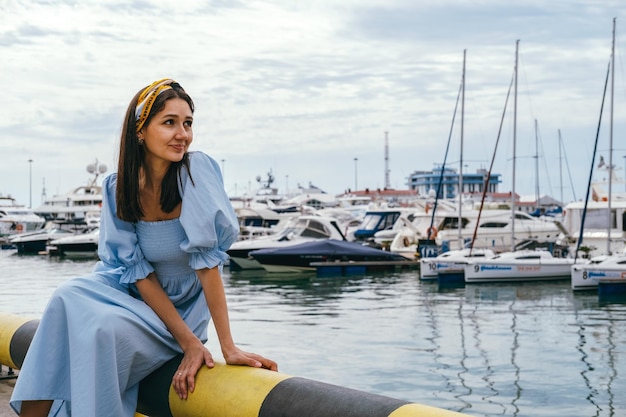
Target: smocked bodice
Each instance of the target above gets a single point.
(160, 243)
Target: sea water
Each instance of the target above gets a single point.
(523, 349)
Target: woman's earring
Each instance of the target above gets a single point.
(141, 141)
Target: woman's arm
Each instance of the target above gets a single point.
(195, 353)
(213, 287)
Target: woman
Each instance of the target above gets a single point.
(166, 224)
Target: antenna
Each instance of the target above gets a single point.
(96, 169)
(387, 183)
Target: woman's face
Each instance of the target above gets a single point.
(168, 134)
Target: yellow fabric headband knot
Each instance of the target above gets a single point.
(146, 100)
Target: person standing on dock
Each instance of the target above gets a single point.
(165, 227)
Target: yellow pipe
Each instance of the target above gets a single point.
(9, 325)
(226, 391)
(235, 391)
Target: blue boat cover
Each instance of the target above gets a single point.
(331, 247)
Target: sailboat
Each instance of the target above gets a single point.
(517, 265)
(429, 266)
(608, 267)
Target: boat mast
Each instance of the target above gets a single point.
(460, 221)
(536, 163)
(514, 150)
(610, 221)
(560, 166)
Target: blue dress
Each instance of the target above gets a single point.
(97, 339)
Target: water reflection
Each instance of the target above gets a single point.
(531, 324)
(307, 289)
(600, 332)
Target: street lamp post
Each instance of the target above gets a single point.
(356, 184)
(30, 183)
(223, 172)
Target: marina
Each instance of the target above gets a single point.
(516, 349)
(471, 276)
(532, 323)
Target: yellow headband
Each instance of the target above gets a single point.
(146, 100)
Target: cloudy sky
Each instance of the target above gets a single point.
(302, 88)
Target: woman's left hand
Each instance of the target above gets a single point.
(239, 357)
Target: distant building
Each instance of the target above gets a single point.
(394, 198)
(424, 181)
(545, 205)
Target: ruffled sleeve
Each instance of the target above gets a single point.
(206, 215)
(118, 249)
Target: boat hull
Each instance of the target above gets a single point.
(509, 271)
(76, 249)
(431, 268)
(580, 279)
(588, 278)
(31, 247)
(428, 269)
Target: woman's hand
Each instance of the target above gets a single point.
(237, 356)
(184, 380)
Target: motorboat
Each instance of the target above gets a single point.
(377, 225)
(384, 237)
(77, 245)
(257, 221)
(522, 265)
(303, 255)
(16, 218)
(300, 229)
(37, 242)
(451, 260)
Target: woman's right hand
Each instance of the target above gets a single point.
(195, 353)
(184, 380)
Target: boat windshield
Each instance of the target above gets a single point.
(379, 221)
(305, 228)
(491, 225)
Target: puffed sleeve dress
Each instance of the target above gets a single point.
(97, 339)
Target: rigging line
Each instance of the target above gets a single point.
(593, 158)
(493, 157)
(569, 172)
(525, 79)
(440, 181)
(545, 163)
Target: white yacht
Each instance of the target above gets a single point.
(76, 245)
(16, 218)
(258, 221)
(495, 230)
(79, 205)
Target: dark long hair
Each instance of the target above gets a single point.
(132, 157)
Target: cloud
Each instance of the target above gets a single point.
(303, 88)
